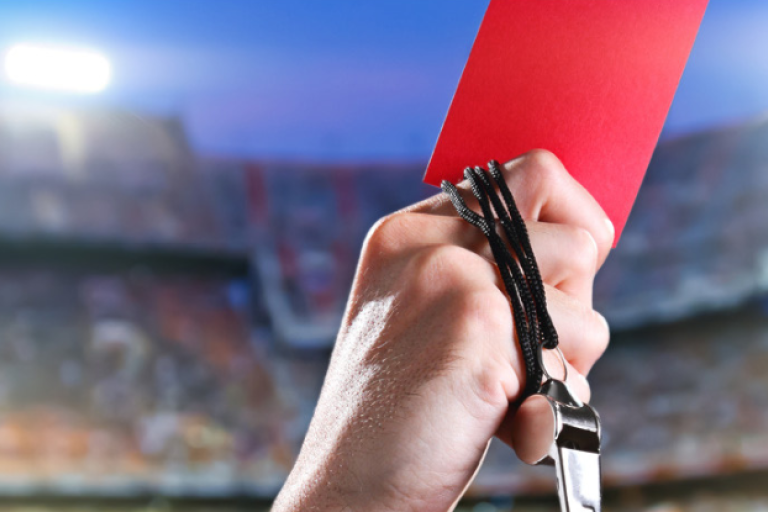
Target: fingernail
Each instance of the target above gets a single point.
(611, 229)
(595, 249)
(573, 376)
(602, 319)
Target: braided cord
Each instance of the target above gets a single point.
(516, 261)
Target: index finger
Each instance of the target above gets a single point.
(545, 192)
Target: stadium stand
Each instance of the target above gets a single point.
(166, 319)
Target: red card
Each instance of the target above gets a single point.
(589, 80)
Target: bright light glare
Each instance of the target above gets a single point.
(57, 68)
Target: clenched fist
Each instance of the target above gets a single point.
(426, 363)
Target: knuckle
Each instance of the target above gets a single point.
(495, 384)
(542, 157)
(440, 268)
(546, 165)
(484, 311)
(541, 174)
(442, 257)
(385, 234)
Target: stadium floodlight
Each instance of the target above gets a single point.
(57, 68)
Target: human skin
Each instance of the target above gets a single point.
(426, 368)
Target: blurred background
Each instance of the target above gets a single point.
(180, 220)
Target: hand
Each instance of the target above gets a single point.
(426, 366)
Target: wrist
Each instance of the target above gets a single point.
(324, 491)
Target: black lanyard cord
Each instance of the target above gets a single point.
(530, 266)
(517, 267)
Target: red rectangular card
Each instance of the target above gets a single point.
(590, 80)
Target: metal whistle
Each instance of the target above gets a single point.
(568, 432)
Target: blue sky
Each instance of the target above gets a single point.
(337, 79)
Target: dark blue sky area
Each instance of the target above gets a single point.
(338, 79)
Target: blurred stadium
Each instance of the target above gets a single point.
(166, 318)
